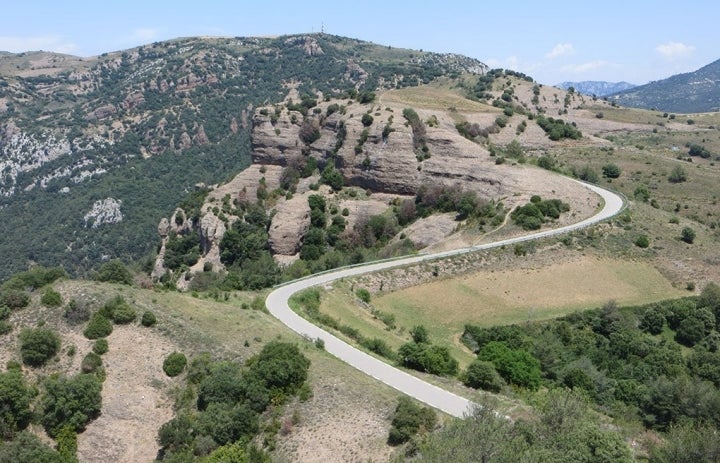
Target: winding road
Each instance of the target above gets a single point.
(453, 404)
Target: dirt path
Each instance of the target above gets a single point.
(134, 404)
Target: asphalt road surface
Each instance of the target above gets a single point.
(277, 304)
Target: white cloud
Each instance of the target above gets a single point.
(561, 49)
(44, 42)
(672, 50)
(585, 67)
(511, 62)
(144, 34)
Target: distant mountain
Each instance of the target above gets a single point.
(595, 87)
(692, 92)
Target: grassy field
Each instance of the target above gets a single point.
(429, 97)
(502, 297)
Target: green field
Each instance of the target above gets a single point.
(502, 297)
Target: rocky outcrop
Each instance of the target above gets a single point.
(289, 224)
(105, 211)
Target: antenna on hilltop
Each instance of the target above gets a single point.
(322, 27)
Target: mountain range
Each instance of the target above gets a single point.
(597, 88)
(692, 92)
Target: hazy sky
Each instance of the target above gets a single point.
(553, 41)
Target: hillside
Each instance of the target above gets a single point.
(100, 148)
(693, 92)
(597, 88)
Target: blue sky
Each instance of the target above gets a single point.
(553, 41)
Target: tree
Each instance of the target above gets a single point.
(482, 375)
(687, 235)
(642, 241)
(174, 364)
(281, 366)
(15, 398)
(38, 345)
(516, 366)
(677, 175)
(114, 271)
(70, 402)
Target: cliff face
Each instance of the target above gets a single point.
(383, 158)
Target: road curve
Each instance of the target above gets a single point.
(453, 404)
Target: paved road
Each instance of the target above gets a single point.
(277, 304)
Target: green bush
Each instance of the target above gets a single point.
(99, 327)
(101, 346)
(677, 175)
(70, 402)
(687, 235)
(51, 298)
(363, 294)
(76, 312)
(14, 299)
(366, 120)
(611, 171)
(119, 311)
(38, 345)
(642, 241)
(28, 448)
(91, 363)
(516, 366)
(114, 271)
(174, 364)
(410, 419)
(482, 375)
(15, 399)
(148, 318)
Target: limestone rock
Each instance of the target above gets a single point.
(289, 224)
(104, 211)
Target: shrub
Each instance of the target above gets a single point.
(70, 402)
(38, 345)
(482, 375)
(76, 312)
(410, 419)
(677, 175)
(687, 235)
(174, 364)
(99, 327)
(516, 366)
(148, 319)
(101, 346)
(119, 311)
(14, 299)
(611, 171)
(51, 298)
(642, 241)
(363, 294)
(91, 363)
(366, 120)
(114, 271)
(15, 399)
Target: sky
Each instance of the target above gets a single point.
(553, 41)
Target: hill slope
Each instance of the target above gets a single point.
(93, 151)
(693, 92)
